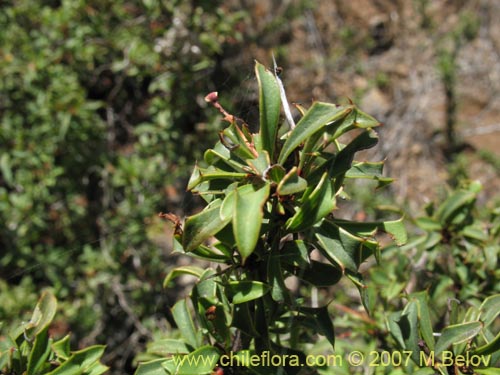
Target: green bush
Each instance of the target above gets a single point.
(270, 197)
(437, 297)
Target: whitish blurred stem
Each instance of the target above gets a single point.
(286, 106)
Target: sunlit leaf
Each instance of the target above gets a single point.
(269, 107)
(203, 225)
(452, 206)
(82, 362)
(291, 183)
(244, 291)
(184, 270)
(317, 117)
(154, 367)
(182, 317)
(315, 206)
(456, 334)
(247, 217)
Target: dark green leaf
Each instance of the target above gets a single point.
(85, 361)
(182, 317)
(456, 334)
(247, 217)
(62, 348)
(367, 170)
(269, 107)
(453, 205)
(244, 291)
(343, 248)
(39, 353)
(315, 206)
(184, 270)
(166, 347)
(202, 226)
(364, 120)
(260, 164)
(343, 161)
(490, 309)
(316, 118)
(292, 183)
(200, 362)
(395, 228)
(490, 348)
(428, 224)
(154, 367)
(318, 274)
(424, 318)
(323, 321)
(43, 315)
(276, 173)
(295, 253)
(279, 291)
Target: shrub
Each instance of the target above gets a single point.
(270, 200)
(30, 348)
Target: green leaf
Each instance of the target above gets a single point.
(39, 353)
(424, 318)
(343, 248)
(456, 334)
(276, 173)
(475, 233)
(318, 274)
(221, 153)
(315, 206)
(279, 291)
(260, 164)
(365, 170)
(486, 371)
(364, 120)
(490, 348)
(184, 322)
(316, 118)
(194, 179)
(429, 224)
(207, 287)
(212, 173)
(43, 315)
(490, 309)
(269, 107)
(395, 228)
(295, 253)
(202, 226)
(184, 270)
(166, 347)
(206, 253)
(452, 206)
(343, 161)
(200, 362)
(323, 322)
(408, 323)
(62, 348)
(244, 291)
(237, 142)
(5, 168)
(83, 362)
(291, 183)
(247, 217)
(369, 170)
(154, 367)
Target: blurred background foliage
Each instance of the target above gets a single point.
(102, 116)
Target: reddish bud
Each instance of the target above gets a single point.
(212, 97)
